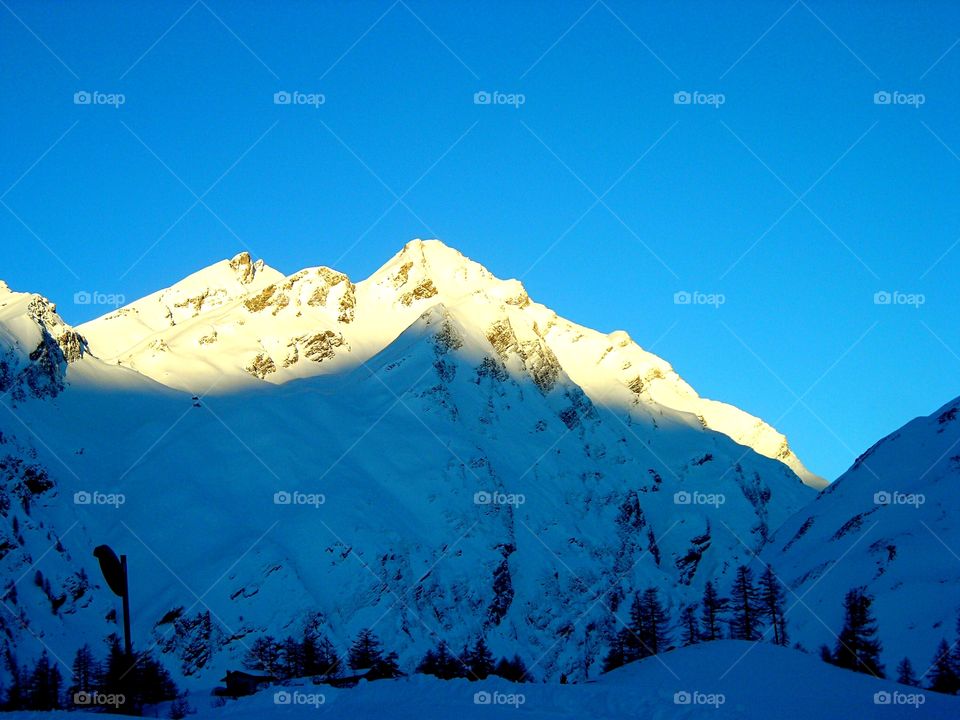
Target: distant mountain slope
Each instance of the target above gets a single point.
(889, 524)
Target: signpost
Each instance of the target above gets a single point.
(114, 571)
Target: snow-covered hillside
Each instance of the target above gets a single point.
(889, 524)
(427, 452)
(725, 679)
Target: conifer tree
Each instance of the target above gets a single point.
(712, 614)
(689, 626)
(514, 670)
(480, 660)
(905, 673)
(745, 620)
(943, 675)
(773, 602)
(366, 650)
(858, 646)
(656, 632)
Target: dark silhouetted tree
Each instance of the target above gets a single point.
(385, 667)
(616, 656)
(265, 655)
(858, 645)
(366, 651)
(689, 627)
(43, 688)
(319, 656)
(773, 603)
(513, 670)
(480, 660)
(943, 673)
(655, 633)
(745, 608)
(85, 671)
(905, 674)
(291, 659)
(711, 617)
(441, 663)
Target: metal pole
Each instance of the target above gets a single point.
(126, 608)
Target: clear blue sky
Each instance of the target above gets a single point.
(710, 202)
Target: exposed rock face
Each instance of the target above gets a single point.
(245, 268)
(261, 366)
(34, 364)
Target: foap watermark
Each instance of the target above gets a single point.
(895, 97)
(85, 297)
(695, 697)
(498, 498)
(285, 697)
(897, 297)
(685, 297)
(485, 697)
(515, 100)
(295, 497)
(896, 697)
(295, 97)
(892, 497)
(95, 97)
(685, 97)
(95, 497)
(98, 699)
(698, 498)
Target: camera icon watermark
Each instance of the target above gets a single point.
(695, 97)
(95, 97)
(885, 697)
(498, 498)
(295, 97)
(684, 497)
(695, 697)
(295, 497)
(685, 297)
(892, 497)
(515, 100)
(285, 697)
(90, 698)
(895, 97)
(84, 297)
(97, 498)
(485, 697)
(896, 297)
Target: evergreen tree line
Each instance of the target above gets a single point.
(476, 662)
(858, 648)
(130, 683)
(312, 654)
(754, 610)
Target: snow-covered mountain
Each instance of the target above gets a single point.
(240, 321)
(426, 451)
(888, 524)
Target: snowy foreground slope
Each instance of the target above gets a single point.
(726, 679)
(888, 524)
(427, 452)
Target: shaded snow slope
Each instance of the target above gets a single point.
(754, 683)
(888, 524)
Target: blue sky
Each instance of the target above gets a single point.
(795, 200)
